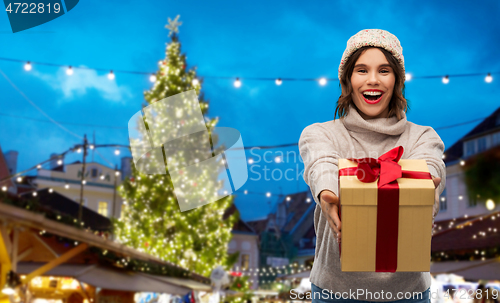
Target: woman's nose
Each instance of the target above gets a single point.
(372, 78)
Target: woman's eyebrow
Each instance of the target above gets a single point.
(361, 64)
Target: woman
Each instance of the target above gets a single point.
(372, 111)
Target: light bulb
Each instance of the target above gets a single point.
(446, 80)
(408, 76)
(278, 81)
(152, 78)
(69, 71)
(195, 82)
(268, 194)
(27, 66)
(245, 192)
(117, 152)
(250, 161)
(50, 190)
(277, 159)
(488, 78)
(237, 83)
(322, 81)
(111, 75)
(490, 204)
(4, 188)
(19, 179)
(462, 162)
(59, 162)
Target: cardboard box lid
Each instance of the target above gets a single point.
(411, 191)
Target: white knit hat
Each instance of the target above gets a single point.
(373, 37)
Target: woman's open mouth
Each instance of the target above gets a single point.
(371, 98)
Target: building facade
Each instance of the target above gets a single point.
(456, 201)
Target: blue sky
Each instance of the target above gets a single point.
(240, 39)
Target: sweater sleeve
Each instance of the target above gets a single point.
(430, 147)
(320, 156)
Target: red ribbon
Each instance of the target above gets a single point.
(387, 170)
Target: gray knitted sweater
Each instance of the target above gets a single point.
(321, 145)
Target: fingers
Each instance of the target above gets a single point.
(329, 206)
(436, 181)
(329, 197)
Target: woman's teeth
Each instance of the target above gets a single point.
(372, 95)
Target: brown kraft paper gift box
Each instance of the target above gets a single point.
(358, 210)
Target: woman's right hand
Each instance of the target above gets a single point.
(330, 209)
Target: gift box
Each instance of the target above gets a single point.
(386, 209)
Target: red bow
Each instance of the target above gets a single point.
(386, 166)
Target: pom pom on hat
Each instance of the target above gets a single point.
(373, 37)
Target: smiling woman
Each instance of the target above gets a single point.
(376, 69)
(372, 120)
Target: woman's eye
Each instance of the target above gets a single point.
(385, 70)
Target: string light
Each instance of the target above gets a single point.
(117, 152)
(488, 78)
(268, 194)
(69, 71)
(490, 204)
(59, 162)
(446, 79)
(50, 190)
(278, 81)
(237, 83)
(66, 186)
(19, 179)
(152, 78)
(462, 162)
(250, 161)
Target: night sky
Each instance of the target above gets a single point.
(275, 39)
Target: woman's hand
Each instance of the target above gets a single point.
(330, 209)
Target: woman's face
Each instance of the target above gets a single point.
(373, 75)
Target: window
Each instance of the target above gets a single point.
(470, 148)
(472, 201)
(103, 208)
(496, 139)
(94, 172)
(481, 144)
(443, 204)
(245, 262)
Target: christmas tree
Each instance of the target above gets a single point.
(151, 219)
